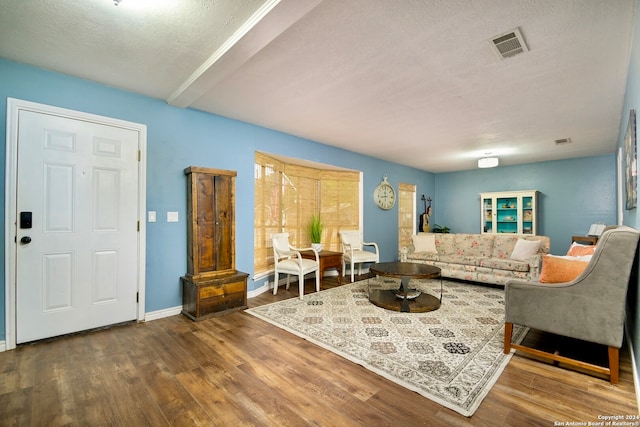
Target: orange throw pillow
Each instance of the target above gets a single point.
(581, 250)
(560, 270)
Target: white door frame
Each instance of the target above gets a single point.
(13, 108)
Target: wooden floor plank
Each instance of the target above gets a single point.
(16, 407)
(239, 370)
(177, 405)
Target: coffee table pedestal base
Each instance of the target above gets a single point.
(387, 299)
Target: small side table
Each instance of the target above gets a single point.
(585, 240)
(328, 259)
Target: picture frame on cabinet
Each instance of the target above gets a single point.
(631, 165)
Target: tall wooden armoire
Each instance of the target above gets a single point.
(212, 285)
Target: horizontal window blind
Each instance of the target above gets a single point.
(286, 197)
(406, 214)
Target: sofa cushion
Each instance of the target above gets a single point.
(504, 243)
(445, 243)
(560, 270)
(505, 264)
(577, 249)
(429, 256)
(525, 249)
(424, 243)
(460, 259)
(478, 245)
(503, 246)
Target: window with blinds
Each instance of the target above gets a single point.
(406, 214)
(288, 194)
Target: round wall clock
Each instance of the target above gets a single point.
(384, 195)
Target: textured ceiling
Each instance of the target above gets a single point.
(414, 82)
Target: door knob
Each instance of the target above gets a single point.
(25, 240)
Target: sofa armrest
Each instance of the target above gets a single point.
(535, 265)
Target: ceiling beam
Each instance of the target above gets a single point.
(267, 23)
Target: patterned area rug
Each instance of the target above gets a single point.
(452, 356)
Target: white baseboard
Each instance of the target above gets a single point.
(3, 346)
(261, 290)
(159, 314)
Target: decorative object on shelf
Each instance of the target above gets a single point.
(488, 162)
(424, 218)
(631, 162)
(441, 229)
(384, 195)
(315, 232)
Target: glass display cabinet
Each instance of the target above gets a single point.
(509, 212)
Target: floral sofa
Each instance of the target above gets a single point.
(485, 258)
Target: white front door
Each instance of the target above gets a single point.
(76, 225)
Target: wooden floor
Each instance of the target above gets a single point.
(238, 370)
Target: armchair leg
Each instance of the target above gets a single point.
(275, 283)
(614, 356)
(352, 271)
(318, 280)
(614, 364)
(508, 332)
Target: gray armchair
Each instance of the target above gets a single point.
(589, 308)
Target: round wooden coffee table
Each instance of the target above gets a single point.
(405, 299)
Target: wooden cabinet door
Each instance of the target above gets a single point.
(223, 223)
(211, 222)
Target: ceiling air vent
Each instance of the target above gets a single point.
(563, 141)
(509, 44)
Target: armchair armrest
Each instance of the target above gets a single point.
(375, 245)
(299, 255)
(347, 247)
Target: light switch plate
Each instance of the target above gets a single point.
(152, 216)
(172, 216)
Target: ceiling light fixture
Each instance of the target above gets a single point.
(488, 162)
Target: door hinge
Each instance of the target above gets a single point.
(137, 296)
(138, 225)
(139, 155)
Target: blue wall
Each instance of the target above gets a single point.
(632, 217)
(179, 138)
(573, 195)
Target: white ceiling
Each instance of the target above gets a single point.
(410, 81)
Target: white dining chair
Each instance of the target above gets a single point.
(288, 260)
(354, 253)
